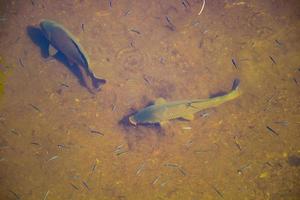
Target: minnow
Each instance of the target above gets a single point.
(60, 39)
(163, 111)
(170, 25)
(270, 129)
(35, 107)
(217, 191)
(272, 59)
(46, 195)
(53, 158)
(97, 132)
(234, 63)
(140, 169)
(74, 186)
(15, 194)
(135, 31)
(21, 62)
(86, 185)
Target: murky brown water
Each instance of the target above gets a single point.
(60, 142)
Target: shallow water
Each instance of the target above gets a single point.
(58, 141)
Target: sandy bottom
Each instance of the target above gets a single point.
(58, 141)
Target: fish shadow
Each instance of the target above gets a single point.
(38, 38)
(136, 134)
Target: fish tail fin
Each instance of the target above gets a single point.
(215, 101)
(235, 91)
(235, 84)
(97, 82)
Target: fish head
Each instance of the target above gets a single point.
(144, 116)
(47, 27)
(132, 120)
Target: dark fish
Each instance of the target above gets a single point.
(272, 130)
(62, 40)
(234, 63)
(272, 59)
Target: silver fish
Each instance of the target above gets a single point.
(163, 111)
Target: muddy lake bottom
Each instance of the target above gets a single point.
(58, 141)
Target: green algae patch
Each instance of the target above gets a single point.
(3, 74)
(2, 80)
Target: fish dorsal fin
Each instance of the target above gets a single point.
(163, 123)
(159, 101)
(80, 51)
(188, 116)
(51, 50)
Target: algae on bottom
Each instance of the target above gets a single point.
(2, 79)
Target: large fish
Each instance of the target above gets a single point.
(163, 111)
(62, 40)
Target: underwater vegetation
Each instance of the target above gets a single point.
(2, 77)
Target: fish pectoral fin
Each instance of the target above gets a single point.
(51, 50)
(160, 101)
(188, 117)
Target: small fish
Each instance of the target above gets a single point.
(217, 191)
(140, 169)
(176, 166)
(237, 144)
(53, 158)
(234, 63)
(97, 132)
(74, 186)
(62, 40)
(187, 128)
(86, 185)
(278, 43)
(156, 180)
(272, 130)
(120, 150)
(283, 123)
(35, 107)
(272, 59)
(163, 111)
(65, 85)
(241, 169)
(135, 31)
(295, 80)
(186, 4)
(118, 153)
(15, 194)
(14, 131)
(21, 62)
(46, 195)
(170, 25)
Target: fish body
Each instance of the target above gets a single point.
(62, 40)
(163, 111)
